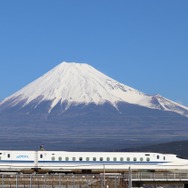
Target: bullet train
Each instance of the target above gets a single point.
(88, 162)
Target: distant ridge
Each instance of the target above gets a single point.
(175, 147)
(76, 107)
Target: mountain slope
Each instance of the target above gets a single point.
(76, 107)
(74, 83)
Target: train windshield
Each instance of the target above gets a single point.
(181, 157)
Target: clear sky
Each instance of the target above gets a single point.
(140, 43)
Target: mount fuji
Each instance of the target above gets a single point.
(74, 84)
(75, 103)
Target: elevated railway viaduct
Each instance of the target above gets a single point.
(103, 180)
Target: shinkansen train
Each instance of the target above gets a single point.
(90, 162)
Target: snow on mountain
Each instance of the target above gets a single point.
(76, 83)
(162, 103)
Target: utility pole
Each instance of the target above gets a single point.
(130, 178)
(104, 178)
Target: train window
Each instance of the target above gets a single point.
(80, 159)
(147, 154)
(134, 159)
(87, 158)
(8, 155)
(121, 158)
(148, 159)
(41, 156)
(108, 158)
(60, 158)
(141, 159)
(164, 158)
(74, 158)
(0, 153)
(0, 158)
(66, 159)
(94, 159)
(158, 157)
(101, 158)
(53, 158)
(128, 158)
(115, 159)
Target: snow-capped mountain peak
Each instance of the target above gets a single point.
(76, 83)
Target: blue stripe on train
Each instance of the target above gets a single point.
(15, 161)
(105, 162)
(88, 162)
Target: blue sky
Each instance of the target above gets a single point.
(141, 43)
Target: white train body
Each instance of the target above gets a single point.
(11, 160)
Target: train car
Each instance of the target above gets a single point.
(63, 161)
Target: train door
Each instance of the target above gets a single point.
(41, 158)
(7, 159)
(36, 160)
